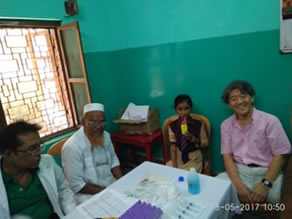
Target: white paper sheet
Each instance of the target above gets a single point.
(108, 203)
(134, 112)
(125, 115)
(139, 113)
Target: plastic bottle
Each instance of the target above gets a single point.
(184, 126)
(193, 182)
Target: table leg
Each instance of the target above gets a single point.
(148, 153)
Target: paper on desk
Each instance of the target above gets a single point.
(134, 112)
(139, 113)
(125, 115)
(108, 203)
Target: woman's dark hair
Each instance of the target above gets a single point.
(181, 99)
(9, 136)
(243, 86)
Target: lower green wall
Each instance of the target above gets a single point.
(201, 68)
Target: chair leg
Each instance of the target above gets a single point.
(164, 152)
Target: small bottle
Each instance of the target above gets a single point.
(193, 182)
(184, 126)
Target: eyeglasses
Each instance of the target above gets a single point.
(94, 123)
(32, 152)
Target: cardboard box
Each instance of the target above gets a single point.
(138, 127)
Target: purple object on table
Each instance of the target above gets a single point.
(142, 210)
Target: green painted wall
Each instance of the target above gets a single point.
(108, 25)
(118, 24)
(201, 68)
(150, 51)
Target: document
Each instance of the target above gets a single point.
(125, 115)
(139, 113)
(108, 203)
(134, 112)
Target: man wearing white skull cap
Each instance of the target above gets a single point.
(88, 157)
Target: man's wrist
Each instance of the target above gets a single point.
(267, 183)
(237, 182)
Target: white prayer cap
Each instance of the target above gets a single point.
(93, 107)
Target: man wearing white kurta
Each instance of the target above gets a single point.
(88, 157)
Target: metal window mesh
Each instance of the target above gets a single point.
(32, 85)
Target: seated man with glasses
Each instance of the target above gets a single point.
(31, 184)
(88, 157)
(254, 145)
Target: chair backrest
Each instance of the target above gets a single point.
(206, 151)
(56, 149)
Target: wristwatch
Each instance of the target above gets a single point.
(267, 182)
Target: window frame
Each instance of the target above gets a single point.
(72, 80)
(54, 24)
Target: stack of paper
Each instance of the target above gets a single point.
(134, 112)
(108, 203)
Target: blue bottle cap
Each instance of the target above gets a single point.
(181, 179)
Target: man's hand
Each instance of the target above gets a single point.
(259, 194)
(116, 171)
(244, 194)
(91, 189)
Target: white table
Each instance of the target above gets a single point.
(216, 194)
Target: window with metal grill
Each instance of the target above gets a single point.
(42, 75)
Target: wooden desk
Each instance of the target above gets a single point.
(144, 141)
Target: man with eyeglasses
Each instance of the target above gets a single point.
(88, 157)
(31, 184)
(254, 145)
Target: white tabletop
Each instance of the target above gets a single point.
(217, 195)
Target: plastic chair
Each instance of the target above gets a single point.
(206, 151)
(56, 149)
